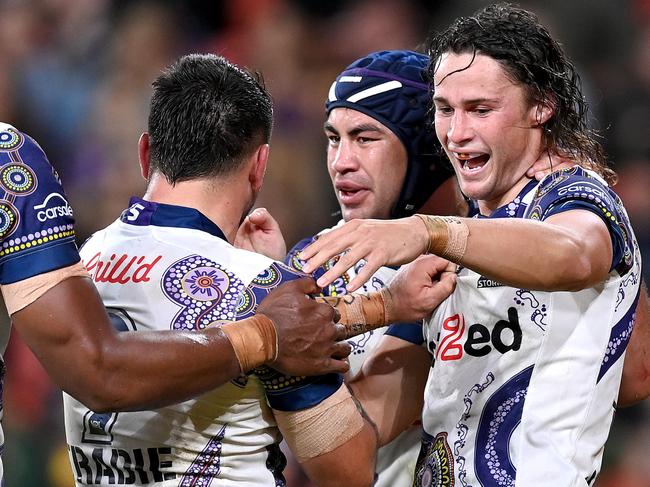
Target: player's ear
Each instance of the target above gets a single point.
(144, 154)
(258, 167)
(543, 111)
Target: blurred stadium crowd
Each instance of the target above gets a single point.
(77, 77)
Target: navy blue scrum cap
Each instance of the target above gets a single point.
(390, 86)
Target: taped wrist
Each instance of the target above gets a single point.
(254, 340)
(322, 428)
(447, 236)
(360, 312)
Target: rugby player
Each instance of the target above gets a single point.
(385, 162)
(60, 316)
(528, 351)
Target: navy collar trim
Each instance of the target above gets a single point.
(511, 209)
(144, 213)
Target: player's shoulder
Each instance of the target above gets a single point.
(262, 283)
(25, 168)
(574, 181)
(14, 140)
(246, 265)
(570, 187)
(252, 268)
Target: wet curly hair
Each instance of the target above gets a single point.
(532, 58)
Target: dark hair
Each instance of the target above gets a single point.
(515, 38)
(206, 115)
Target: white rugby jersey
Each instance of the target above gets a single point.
(396, 460)
(164, 267)
(523, 385)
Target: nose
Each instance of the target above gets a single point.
(343, 157)
(460, 129)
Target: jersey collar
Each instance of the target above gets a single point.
(515, 208)
(143, 213)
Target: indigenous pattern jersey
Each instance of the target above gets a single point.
(164, 267)
(36, 224)
(524, 383)
(396, 460)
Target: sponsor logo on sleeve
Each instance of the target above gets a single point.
(54, 206)
(583, 187)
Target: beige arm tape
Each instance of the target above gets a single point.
(254, 340)
(360, 312)
(447, 236)
(20, 294)
(322, 428)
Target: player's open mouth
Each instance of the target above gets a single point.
(351, 197)
(472, 162)
(350, 193)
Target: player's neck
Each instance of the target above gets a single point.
(219, 200)
(445, 200)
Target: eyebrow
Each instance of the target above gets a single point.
(364, 127)
(472, 101)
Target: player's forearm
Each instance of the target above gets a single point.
(109, 371)
(352, 464)
(147, 370)
(142, 370)
(527, 253)
(334, 440)
(394, 365)
(635, 383)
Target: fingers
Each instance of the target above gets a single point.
(451, 267)
(304, 285)
(333, 365)
(447, 283)
(341, 267)
(431, 264)
(262, 219)
(323, 249)
(337, 316)
(362, 277)
(310, 254)
(340, 333)
(341, 350)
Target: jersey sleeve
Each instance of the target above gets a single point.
(285, 393)
(410, 332)
(36, 221)
(577, 189)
